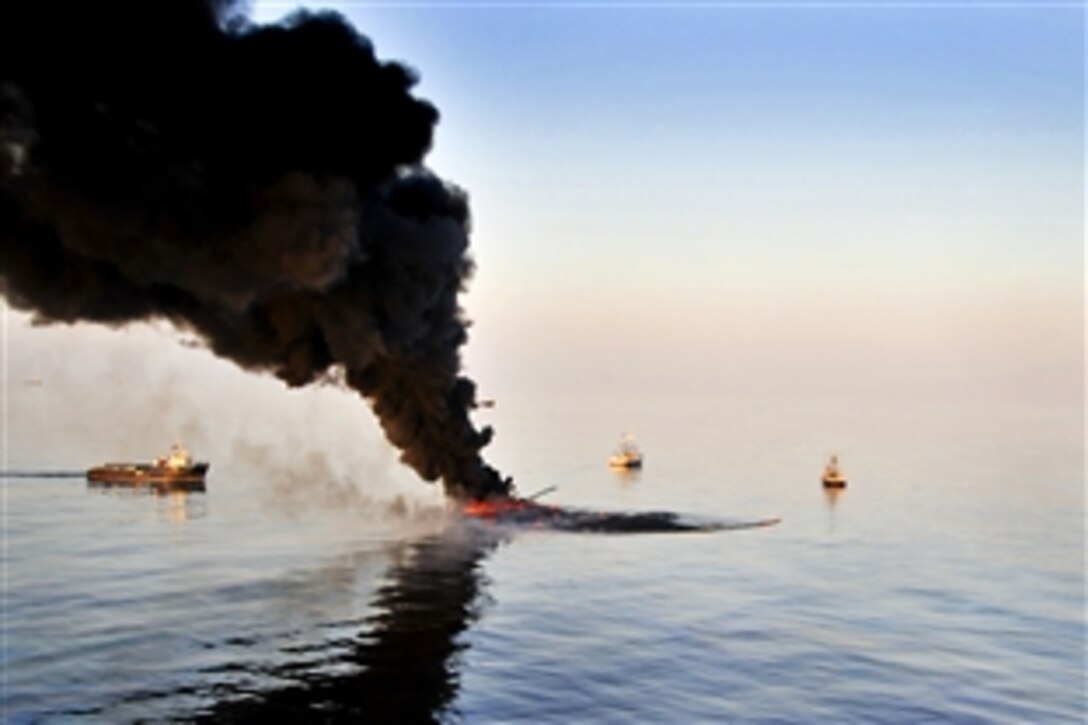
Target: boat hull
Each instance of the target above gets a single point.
(625, 461)
(138, 474)
(834, 483)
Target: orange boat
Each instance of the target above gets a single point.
(627, 456)
(178, 468)
(833, 476)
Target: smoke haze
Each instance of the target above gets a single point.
(259, 186)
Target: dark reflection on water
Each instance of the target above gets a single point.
(627, 476)
(832, 496)
(403, 666)
(177, 501)
(158, 488)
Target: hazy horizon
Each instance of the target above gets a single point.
(801, 203)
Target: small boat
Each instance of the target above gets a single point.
(833, 476)
(627, 455)
(178, 468)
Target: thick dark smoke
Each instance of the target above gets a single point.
(261, 186)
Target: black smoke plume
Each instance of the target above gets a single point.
(261, 186)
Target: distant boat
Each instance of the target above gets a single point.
(833, 476)
(627, 455)
(178, 468)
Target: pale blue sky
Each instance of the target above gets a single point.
(740, 184)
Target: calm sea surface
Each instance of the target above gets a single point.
(945, 584)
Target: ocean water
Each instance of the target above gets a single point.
(944, 584)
